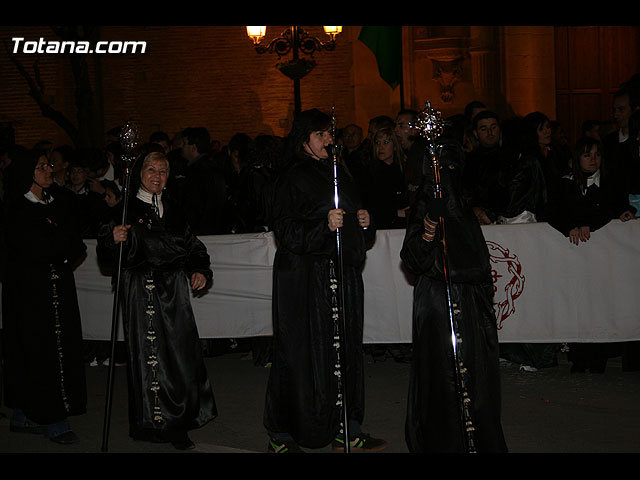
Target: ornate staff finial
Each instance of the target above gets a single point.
(129, 138)
(429, 123)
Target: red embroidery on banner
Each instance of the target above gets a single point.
(508, 281)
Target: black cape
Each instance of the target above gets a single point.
(42, 331)
(302, 390)
(433, 416)
(169, 388)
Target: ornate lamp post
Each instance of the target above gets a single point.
(294, 39)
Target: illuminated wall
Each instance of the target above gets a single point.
(211, 76)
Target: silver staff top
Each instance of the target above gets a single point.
(129, 137)
(429, 123)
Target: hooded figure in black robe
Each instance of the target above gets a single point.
(169, 388)
(302, 398)
(433, 422)
(43, 355)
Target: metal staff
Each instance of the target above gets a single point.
(341, 334)
(430, 126)
(129, 140)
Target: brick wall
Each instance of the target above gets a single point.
(16, 106)
(189, 76)
(211, 76)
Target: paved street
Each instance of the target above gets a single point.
(549, 411)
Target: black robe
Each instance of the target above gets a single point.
(302, 391)
(433, 415)
(169, 388)
(44, 368)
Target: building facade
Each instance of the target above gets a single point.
(212, 76)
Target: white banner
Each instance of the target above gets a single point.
(547, 289)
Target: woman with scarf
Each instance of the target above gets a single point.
(169, 388)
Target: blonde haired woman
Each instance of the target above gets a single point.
(169, 389)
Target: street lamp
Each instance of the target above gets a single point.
(294, 39)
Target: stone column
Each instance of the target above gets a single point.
(484, 51)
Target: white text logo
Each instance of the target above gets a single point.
(68, 46)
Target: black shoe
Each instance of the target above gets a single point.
(362, 443)
(379, 353)
(179, 439)
(66, 438)
(183, 443)
(35, 430)
(401, 354)
(149, 435)
(283, 447)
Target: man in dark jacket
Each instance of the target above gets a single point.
(203, 195)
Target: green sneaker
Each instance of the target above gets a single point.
(283, 447)
(362, 443)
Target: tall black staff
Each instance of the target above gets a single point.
(341, 334)
(129, 140)
(430, 126)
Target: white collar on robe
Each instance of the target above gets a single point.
(594, 179)
(622, 137)
(108, 175)
(32, 197)
(147, 197)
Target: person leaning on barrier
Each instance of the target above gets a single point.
(590, 196)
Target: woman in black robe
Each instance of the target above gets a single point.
(302, 405)
(433, 422)
(44, 369)
(169, 388)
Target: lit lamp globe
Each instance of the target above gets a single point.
(332, 31)
(256, 33)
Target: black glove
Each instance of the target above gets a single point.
(437, 208)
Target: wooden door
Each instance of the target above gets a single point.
(591, 63)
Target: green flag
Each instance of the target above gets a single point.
(386, 45)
